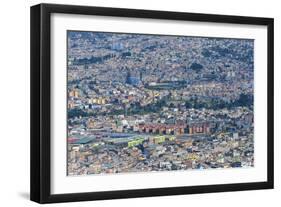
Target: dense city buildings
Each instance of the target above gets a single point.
(140, 103)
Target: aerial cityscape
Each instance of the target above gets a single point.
(147, 103)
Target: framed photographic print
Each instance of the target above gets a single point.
(133, 103)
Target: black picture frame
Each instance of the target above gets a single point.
(40, 180)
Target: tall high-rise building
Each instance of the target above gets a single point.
(132, 80)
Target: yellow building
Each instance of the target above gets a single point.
(135, 142)
(70, 105)
(99, 101)
(74, 93)
(171, 138)
(159, 139)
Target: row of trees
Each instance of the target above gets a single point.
(244, 100)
